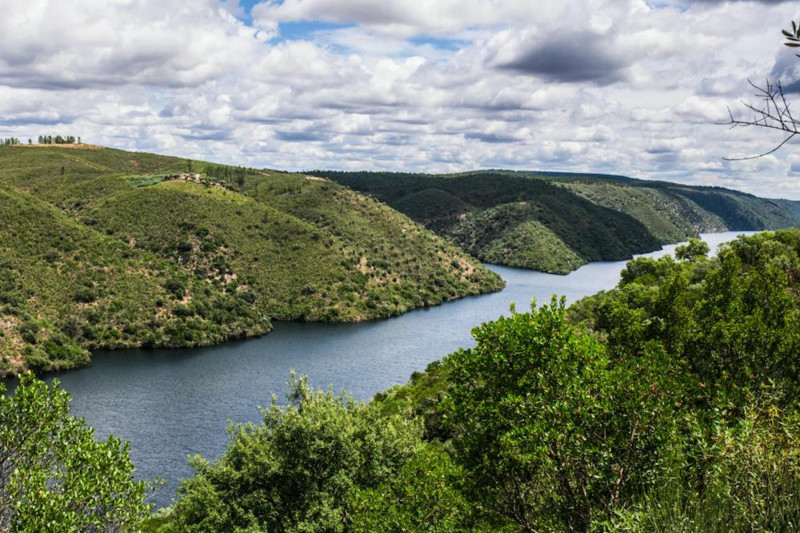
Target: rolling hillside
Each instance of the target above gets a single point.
(555, 222)
(103, 248)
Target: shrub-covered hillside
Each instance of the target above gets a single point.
(556, 222)
(103, 248)
(66, 288)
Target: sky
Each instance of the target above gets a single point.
(611, 86)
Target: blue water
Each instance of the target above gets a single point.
(173, 403)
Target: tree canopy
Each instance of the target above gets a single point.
(54, 475)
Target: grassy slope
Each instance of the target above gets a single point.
(739, 211)
(556, 222)
(175, 263)
(791, 206)
(673, 212)
(394, 264)
(521, 245)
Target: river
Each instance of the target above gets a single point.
(173, 403)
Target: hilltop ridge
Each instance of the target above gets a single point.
(556, 222)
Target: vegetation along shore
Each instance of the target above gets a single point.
(666, 404)
(103, 248)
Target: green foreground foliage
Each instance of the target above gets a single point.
(54, 476)
(313, 465)
(667, 404)
(552, 434)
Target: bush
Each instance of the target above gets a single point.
(423, 496)
(85, 295)
(298, 469)
(54, 475)
(748, 480)
(552, 435)
(29, 331)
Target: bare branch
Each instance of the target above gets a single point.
(774, 113)
(761, 155)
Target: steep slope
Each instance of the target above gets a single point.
(392, 255)
(506, 235)
(706, 209)
(187, 260)
(669, 217)
(738, 210)
(790, 206)
(557, 221)
(434, 208)
(576, 230)
(66, 288)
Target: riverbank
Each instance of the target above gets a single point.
(174, 403)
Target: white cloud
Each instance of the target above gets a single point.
(96, 43)
(430, 85)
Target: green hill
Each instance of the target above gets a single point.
(106, 249)
(669, 218)
(556, 222)
(67, 288)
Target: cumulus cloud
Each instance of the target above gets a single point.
(620, 86)
(93, 43)
(565, 58)
(396, 17)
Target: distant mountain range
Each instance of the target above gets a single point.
(555, 222)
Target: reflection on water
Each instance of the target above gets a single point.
(174, 403)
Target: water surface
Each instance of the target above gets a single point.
(174, 403)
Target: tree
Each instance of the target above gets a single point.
(298, 470)
(691, 252)
(54, 476)
(551, 434)
(773, 112)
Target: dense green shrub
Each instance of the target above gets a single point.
(552, 436)
(425, 495)
(748, 480)
(298, 470)
(54, 475)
